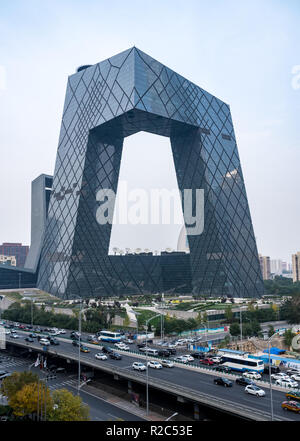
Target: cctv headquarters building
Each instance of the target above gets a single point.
(104, 104)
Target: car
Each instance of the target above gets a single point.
(141, 345)
(216, 359)
(29, 339)
(14, 335)
(54, 341)
(293, 394)
(107, 350)
(181, 359)
(44, 342)
(115, 356)
(139, 366)
(223, 382)
(292, 372)
(167, 363)
(279, 376)
(94, 342)
(84, 349)
(32, 335)
(62, 331)
(221, 368)
(154, 364)
(7, 332)
(100, 356)
(164, 353)
(252, 375)
(198, 355)
(294, 406)
(189, 357)
(75, 343)
(252, 389)
(296, 377)
(273, 369)
(122, 346)
(206, 361)
(172, 351)
(129, 341)
(286, 382)
(242, 381)
(171, 346)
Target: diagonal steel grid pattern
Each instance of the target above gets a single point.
(105, 103)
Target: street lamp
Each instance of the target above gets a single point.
(270, 379)
(147, 374)
(79, 331)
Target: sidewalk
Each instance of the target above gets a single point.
(123, 404)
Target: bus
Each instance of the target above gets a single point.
(110, 336)
(240, 361)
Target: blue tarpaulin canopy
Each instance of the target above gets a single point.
(275, 351)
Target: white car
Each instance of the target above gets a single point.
(171, 346)
(100, 356)
(62, 331)
(216, 359)
(280, 376)
(7, 332)
(44, 342)
(139, 366)
(167, 363)
(154, 364)
(188, 357)
(255, 390)
(296, 377)
(122, 346)
(181, 359)
(129, 341)
(287, 382)
(14, 335)
(252, 375)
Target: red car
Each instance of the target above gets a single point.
(207, 361)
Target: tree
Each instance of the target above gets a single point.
(228, 314)
(288, 337)
(15, 382)
(271, 331)
(68, 407)
(26, 401)
(235, 329)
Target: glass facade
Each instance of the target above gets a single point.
(104, 103)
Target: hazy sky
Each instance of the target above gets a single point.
(244, 52)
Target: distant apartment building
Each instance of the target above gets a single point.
(265, 266)
(17, 250)
(296, 266)
(7, 260)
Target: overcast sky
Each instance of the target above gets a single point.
(242, 52)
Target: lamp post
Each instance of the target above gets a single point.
(147, 374)
(270, 379)
(79, 331)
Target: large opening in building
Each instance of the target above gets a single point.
(148, 214)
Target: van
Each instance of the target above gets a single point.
(151, 351)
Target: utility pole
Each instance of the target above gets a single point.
(147, 373)
(79, 347)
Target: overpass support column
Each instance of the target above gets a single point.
(196, 412)
(129, 387)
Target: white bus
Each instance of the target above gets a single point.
(240, 361)
(110, 336)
